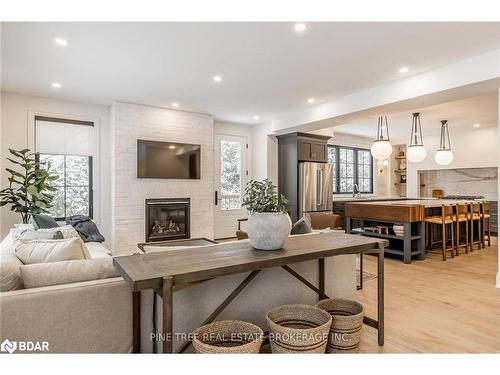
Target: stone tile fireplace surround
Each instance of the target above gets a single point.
(130, 122)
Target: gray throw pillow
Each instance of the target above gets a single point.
(41, 235)
(302, 226)
(44, 222)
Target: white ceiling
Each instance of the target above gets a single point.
(268, 69)
(461, 116)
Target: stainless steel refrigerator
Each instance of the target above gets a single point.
(315, 187)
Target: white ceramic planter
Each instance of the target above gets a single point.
(268, 230)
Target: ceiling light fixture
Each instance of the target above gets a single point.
(175, 104)
(444, 156)
(61, 42)
(56, 85)
(311, 100)
(382, 148)
(217, 79)
(403, 70)
(256, 117)
(476, 125)
(416, 150)
(299, 27)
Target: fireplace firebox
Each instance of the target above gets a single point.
(167, 219)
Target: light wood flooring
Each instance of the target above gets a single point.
(433, 306)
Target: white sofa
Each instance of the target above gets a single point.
(82, 317)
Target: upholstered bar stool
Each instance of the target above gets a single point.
(461, 221)
(474, 216)
(445, 223)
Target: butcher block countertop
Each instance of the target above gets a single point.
(427, 203)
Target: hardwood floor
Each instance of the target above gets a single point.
(436, 307)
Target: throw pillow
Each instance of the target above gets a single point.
(48, 251)
(73, 271)
(302, 226)
(67, 231)
(41, 235)
(10, 274)
(44, 222)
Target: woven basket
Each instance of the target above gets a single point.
(298, 329)
(345, 331)
(228, 336)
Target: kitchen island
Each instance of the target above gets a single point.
(410, 213)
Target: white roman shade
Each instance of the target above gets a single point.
(67, 137)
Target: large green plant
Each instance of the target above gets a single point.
(29, 191)
(262, 196)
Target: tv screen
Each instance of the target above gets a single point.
(168, 160)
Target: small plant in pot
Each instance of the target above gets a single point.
(268, 224)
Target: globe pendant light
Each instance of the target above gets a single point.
(444, 156)
(382, 148)
(416, 151)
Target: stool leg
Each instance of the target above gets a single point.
(457, 238)
(471, 235)
(452, 240)
(443, 241)
(489, 231)
(466, 237)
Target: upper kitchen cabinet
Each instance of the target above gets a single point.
(311, 147)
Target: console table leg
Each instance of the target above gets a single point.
(136, 322)
(321, 264)
(167, 330)
(380, 294)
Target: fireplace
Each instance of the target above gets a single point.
(167, 219)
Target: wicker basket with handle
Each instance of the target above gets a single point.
(345, 331)
(228, 336)
(298, 329)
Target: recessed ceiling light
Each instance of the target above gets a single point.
(175, 104)
(61, 42)
(256, 117)
(217, 79)
(476, 125)
(403, 70)
(300, 27)
(56, 85)
(172, 147)
(311, 100)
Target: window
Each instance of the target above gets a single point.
(74, 186)
(351, 166)
(69, 147)
(230, 175)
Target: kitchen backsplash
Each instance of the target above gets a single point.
(469, 181)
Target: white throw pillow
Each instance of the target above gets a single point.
(67, 231)
(10, 274)
(48, 251)
(73, 271)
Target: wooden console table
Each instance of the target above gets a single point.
(162, 271)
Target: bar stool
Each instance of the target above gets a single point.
(444, 221)
(474, 216)
(461, 220)
(486, 223)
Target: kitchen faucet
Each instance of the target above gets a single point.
(355, 191)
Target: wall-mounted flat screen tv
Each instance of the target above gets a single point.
(168, 160)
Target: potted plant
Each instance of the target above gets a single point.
(29, 191)
(268, 223)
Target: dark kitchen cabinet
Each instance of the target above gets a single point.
(292, 149)
(310, 149)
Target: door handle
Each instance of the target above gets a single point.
(216, 197)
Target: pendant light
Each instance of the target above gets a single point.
(416, 150)
(444, 156)
(382, 148)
